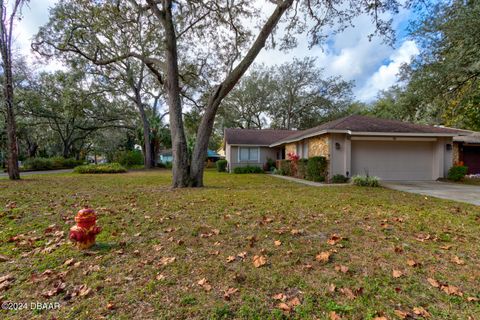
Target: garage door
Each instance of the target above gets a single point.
(393, 160)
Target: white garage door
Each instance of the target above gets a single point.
(393, 160)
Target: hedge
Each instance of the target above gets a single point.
(129, 158)
(248, 169)
(51, 163)
(221, 165)
(317, 169)
(457, 173)
(100, 168)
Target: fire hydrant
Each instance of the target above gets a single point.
(84, 233)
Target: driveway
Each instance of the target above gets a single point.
(444, 190)
(27, 173)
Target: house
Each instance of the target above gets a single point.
(388, 149)
(466, 149)
(165, 156)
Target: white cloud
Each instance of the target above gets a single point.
(387, 74)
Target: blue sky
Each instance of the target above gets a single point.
(371, 64)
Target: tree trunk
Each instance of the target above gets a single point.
(206, 125)
(180, 167)
(12, 144)
(147, 147)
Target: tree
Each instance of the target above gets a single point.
(180, 63)
(304, 98)
(445, 76)
(6, 31)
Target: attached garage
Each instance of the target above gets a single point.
(394, 160)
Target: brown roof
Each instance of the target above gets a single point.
(264, 137)
(357, 123)
(472, 137)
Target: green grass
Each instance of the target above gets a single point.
(144, 221)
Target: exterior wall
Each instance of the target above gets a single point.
(448, 156)
(456, 152)
(340, 158)
(264, 154)
(290, 148)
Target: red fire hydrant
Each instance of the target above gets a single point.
(84, 233)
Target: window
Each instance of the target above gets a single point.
(248, 154)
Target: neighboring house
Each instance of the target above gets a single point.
(388, 149)
(467, 150)
(165, 156)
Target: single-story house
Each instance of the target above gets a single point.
(467, 150)
(354, 145)
(166, 156)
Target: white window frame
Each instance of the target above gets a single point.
(249, 159)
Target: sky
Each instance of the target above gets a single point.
(372, 65)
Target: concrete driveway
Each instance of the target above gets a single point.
(444, 190)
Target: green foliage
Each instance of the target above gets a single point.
(285, 168)
(339, 178)
(129, 158)
(100, 168)
(365, 181)
(302, 168)
(317, 169)
(50, 163)
(221, 165)
(271, 164)
(248, 169)
(457, 173)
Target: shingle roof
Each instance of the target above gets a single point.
(473, 137)
(357, 123)
(256, 136)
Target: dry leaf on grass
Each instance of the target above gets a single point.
(58, 287)
(452, 290)
(433, 282)
(348, 293)
(259, 261)
(334, 316)
(332, 287)
(323, 256)
(401, 314)
(280, 296)
(473, 299)
(242, 255)
(69, 262)
(278, 243)
(4, 258)
(229, 292)
(230, 259)
(458, 261)
(204, 284)
(420, 311)
(334, 239)
(289, 305)
(412, 263)
(167, 260)
(397, 273)
(341, 268)
(380, 318)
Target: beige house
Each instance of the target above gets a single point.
(354, 145)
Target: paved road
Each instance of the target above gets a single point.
(444, 190)
(4, 174)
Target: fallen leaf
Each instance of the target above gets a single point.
(278, 243)
(447, 247)
(472, 299)
(420, 311)
(110, 306)
(401, 314)
(458, 261)
(284, 307)
(397, 273)
(57, 288)
(4, 258)
(167, 260)
(69, 262)
(295, 232)
(229, 292)
(230, 259)
(348, 293)
(259, 261)
(341, 268)
(204, 284)
(323, 256)
(242, 254)
(334, 316)
(451, 290)
(334, 238)
(380, 318)
(332, 287)
(433, 282)
(160, 277)
(280, 296)
(412, 263)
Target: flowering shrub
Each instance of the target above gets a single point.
(293, 157)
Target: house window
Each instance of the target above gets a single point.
(248, 154)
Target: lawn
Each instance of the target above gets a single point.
(245, 247)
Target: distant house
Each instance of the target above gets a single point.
(388, 149)
(166, 156)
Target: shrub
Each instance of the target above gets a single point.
(128, 158)
(317, 169)
(50, 163)
(100, 168)
(302, 168)
(221, 165)
(339, 178)
(457, 173)
(248, 169)
(285, 168)
(366, 181)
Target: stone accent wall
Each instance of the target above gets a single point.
(456, 152)
(319, 146)
(290, 147)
